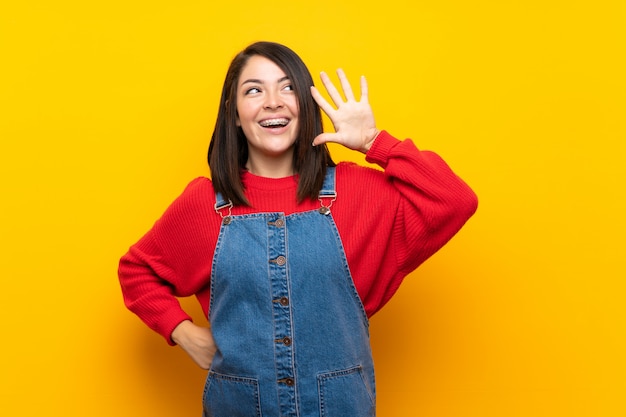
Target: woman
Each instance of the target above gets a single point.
(288, 253)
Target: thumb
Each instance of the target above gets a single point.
(323, 138)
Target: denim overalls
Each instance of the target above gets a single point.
(291, 332)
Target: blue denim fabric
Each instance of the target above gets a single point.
(291, 332)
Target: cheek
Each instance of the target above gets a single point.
(244, 114)
(295, 109)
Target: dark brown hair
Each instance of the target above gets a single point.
(228, 150)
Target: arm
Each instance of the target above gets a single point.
(422, 178)
(148, 286)
(173, 259)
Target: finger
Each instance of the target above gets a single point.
(364, 90)
(345, 85)
(330, 88)
(321, 101)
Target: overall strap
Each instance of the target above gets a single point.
(328, 188)
(220, 202)
(328, 191)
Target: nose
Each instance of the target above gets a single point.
(273, 100)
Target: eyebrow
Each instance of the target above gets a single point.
(257, 81)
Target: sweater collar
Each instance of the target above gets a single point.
(251, 181)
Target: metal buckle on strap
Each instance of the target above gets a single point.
(325, 209)
(226, 219)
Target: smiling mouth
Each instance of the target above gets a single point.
(274, 123)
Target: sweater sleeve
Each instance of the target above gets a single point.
(171, 260)
(434, 202)
(400, 217)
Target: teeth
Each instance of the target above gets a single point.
(274, 122)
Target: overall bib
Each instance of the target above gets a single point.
(290, 328)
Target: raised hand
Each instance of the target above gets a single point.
(353, 120)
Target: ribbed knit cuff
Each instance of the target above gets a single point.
(379, 152)
(172, 322)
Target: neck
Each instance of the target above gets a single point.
(271, 167)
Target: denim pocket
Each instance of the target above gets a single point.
(231, 396)
(345, 393)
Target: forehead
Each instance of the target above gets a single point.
(261, 69)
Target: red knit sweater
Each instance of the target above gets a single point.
(389, 222)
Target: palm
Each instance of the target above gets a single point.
(353, 120)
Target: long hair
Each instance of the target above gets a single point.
(228, 150)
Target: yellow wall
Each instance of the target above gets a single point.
(106, 109)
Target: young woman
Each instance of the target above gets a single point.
(287, 252)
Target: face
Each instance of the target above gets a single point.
(267, 109)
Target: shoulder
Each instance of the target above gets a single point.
(363, 183)
(200, 187)
(348, 169)
(199, 184)
(196, 199)
(352, 173)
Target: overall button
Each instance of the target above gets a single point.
(287, 381)
(285, 341)
(277, 223)
(284, 301)
(281, 260)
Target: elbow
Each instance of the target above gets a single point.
(461, 204)
(470, 203)
(466, 207)
(457, 212)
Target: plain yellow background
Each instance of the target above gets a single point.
(106, 109)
